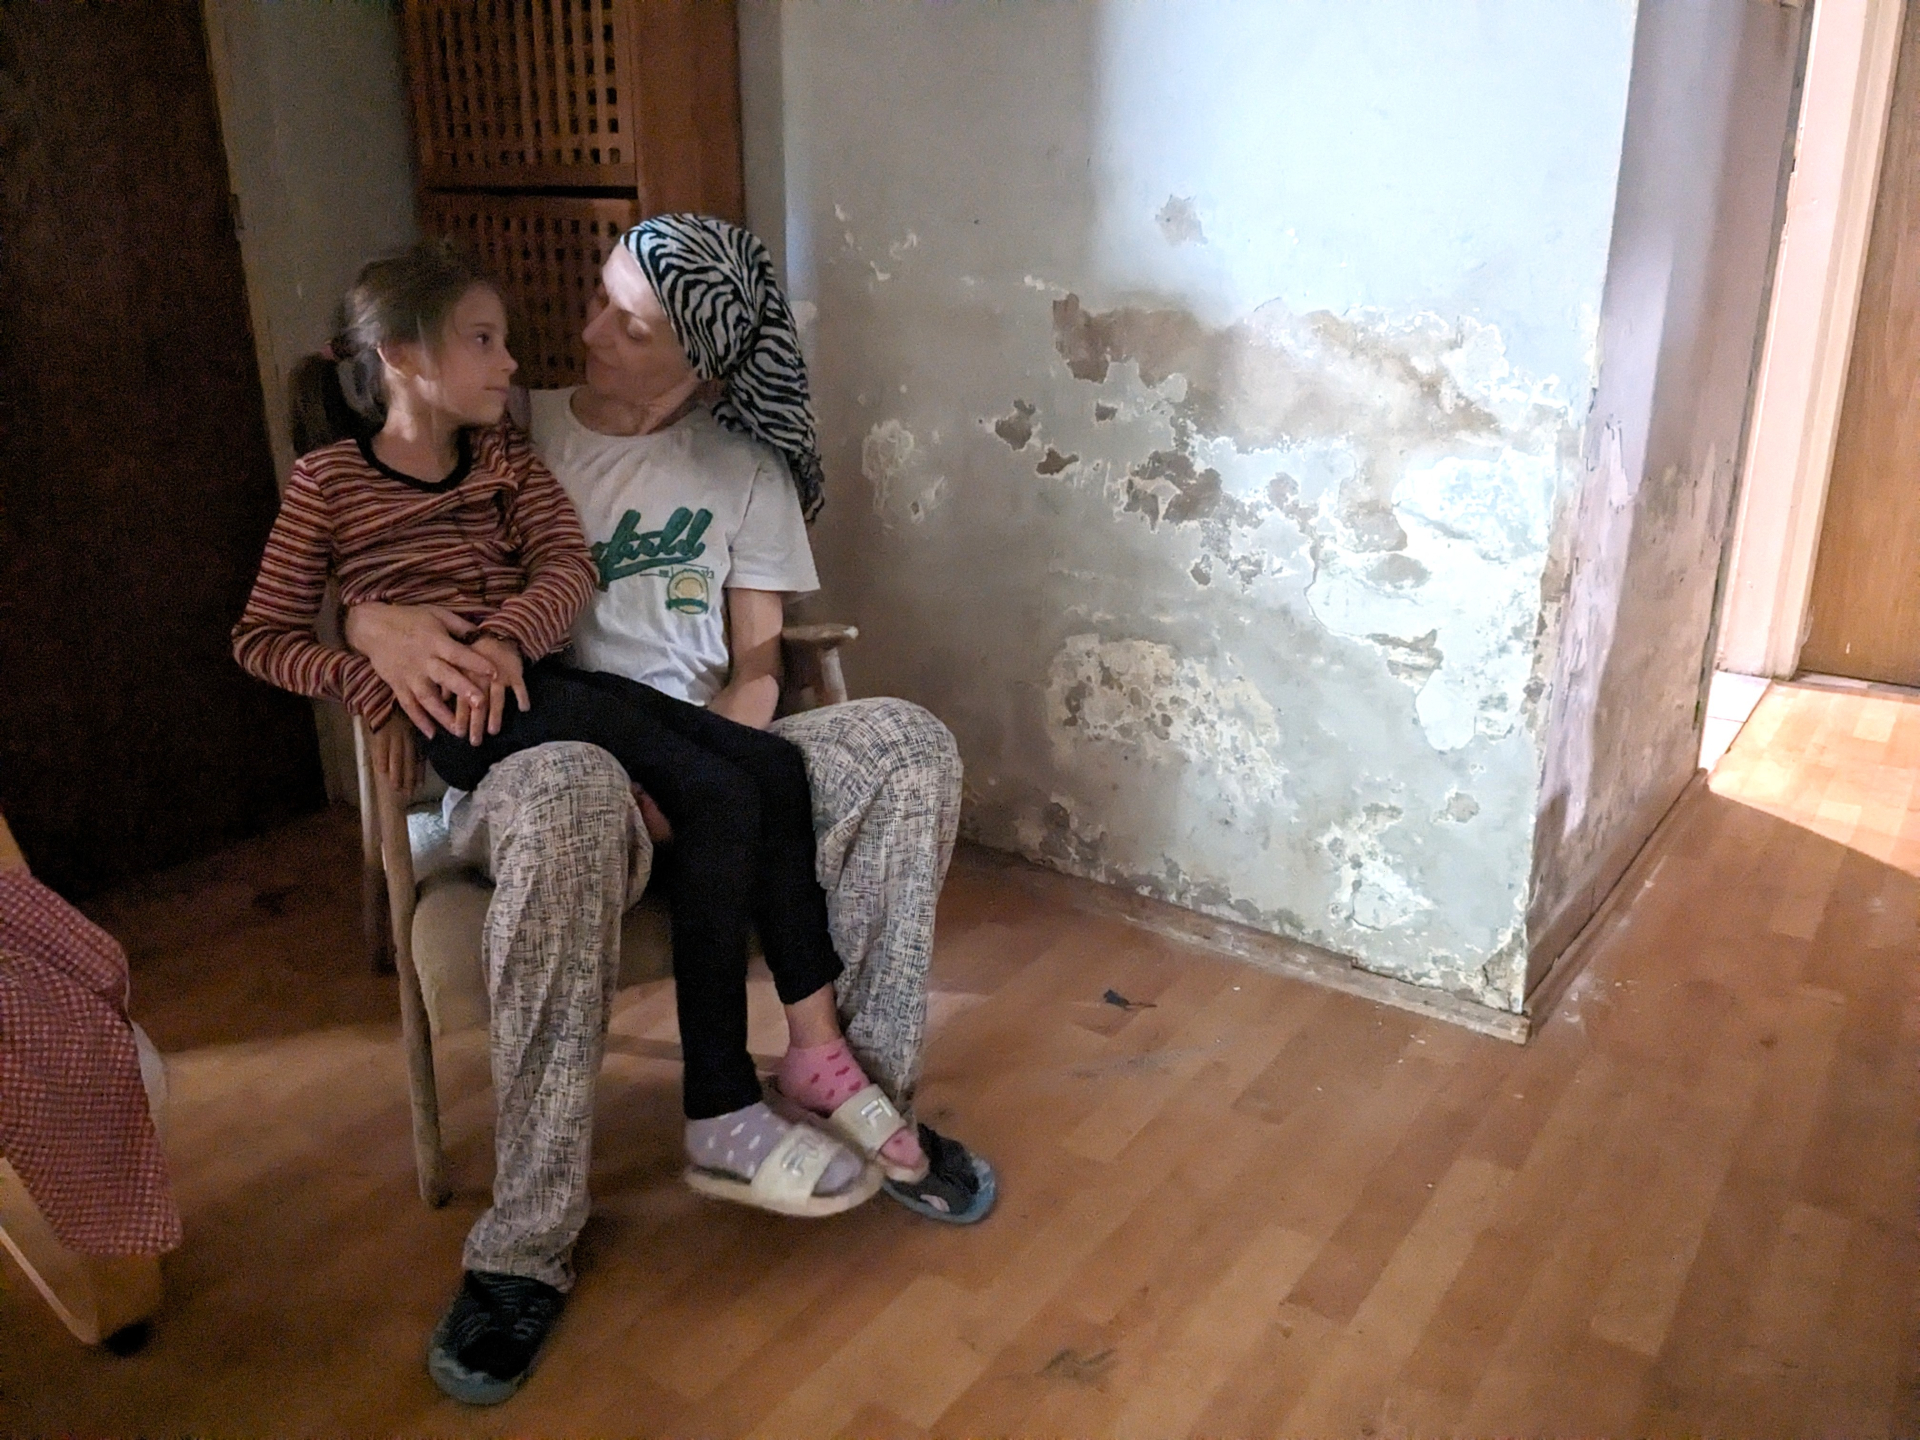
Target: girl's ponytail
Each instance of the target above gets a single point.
(319, 410)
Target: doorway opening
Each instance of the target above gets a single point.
(1826, 540)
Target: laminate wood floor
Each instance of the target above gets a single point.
(1244, 1206)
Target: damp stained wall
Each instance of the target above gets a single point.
(1204, 394)
(1702, 191)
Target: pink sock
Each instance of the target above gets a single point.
(822, 1078)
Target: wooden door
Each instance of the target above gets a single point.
(1865, 603)
(136, 486)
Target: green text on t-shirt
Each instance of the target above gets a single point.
(630, 552)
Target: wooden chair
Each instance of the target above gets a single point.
(403, 931)
(94, 1296)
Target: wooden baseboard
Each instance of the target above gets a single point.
(1258, 948)
(1813, 680)
(1572, 959)
(1574, 932)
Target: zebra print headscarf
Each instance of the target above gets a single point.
(716, 284)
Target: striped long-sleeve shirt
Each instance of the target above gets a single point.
(497, 541)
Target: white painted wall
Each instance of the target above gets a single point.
(1702, 183)
(313, 113)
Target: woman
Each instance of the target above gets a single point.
(695, 401)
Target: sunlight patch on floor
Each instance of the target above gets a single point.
(1730, 703)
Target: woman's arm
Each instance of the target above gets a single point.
(754, 618)
(274, 640)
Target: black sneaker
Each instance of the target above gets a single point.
(959, 1188)
(484, 1346)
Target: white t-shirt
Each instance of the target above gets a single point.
(674, 520)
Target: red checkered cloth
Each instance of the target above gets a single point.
(74, 1120)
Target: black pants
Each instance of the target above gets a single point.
(742, 852)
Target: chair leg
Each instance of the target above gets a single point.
(429, 1159)
(833, 680)
(375, 922)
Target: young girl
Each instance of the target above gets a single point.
(432, 501)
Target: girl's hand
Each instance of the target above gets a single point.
(416, 649)
(659, 828)
(504, 656)
(395, 754)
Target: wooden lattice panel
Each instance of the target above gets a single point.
(517, 93)
(546, 253)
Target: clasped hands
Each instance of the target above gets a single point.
(444, 674)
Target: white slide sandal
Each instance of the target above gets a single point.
(866, 1120)
(783, 1182)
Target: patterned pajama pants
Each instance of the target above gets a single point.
(557, 829)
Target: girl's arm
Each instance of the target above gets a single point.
(560, 574)
(274, 640)
(754, 618)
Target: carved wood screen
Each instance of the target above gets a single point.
(545, 250)
(542, 128)
(512, 93)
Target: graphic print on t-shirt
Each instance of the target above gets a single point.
(690, 590)
(666, 553)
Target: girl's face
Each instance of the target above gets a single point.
(632, 353)
(465, 377)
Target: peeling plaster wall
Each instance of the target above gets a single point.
(1203, 390)
(1703, 177)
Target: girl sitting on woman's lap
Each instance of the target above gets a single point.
(428, 499)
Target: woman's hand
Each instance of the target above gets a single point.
(396, 754)
(476, 721)
(416, 649)
(752, 693)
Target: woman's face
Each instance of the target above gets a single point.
(632, 353)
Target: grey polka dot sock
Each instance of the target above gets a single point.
(738, 1141)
